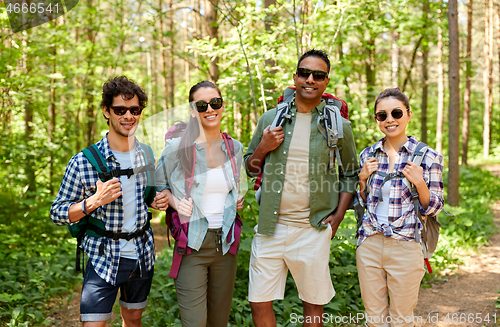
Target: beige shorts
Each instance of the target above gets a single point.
(305, 251)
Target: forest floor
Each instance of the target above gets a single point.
(464, 297)
(467, 297)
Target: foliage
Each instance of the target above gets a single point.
(36, 263)
(458, 233)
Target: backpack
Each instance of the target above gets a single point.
(431, 226)
(178, 225)
(328, 123)
(95, 227)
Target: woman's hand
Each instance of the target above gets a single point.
(414, 173)
(239, 203)
(184, 207)
(370, 166)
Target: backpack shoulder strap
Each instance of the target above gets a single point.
(97, 161)
(283, 109)
(150, 192)
(230, 147)
(331, 131)
(371, 154)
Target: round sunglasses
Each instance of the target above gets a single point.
(395, 113)
(215, 103)
(318, 75)
(122, 110)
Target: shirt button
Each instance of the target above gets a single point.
(284, 152)
(293, 114)
(289, 133)
(281, 173)
(275, 212)
(279, 192)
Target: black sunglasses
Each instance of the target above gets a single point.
(215, 103)
(395, 113)
(318, 75)
(121, 110)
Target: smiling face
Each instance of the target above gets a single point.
(210, 119)
(309, 90)
(122, 126)
(393, 128)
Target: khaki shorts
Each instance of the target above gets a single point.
(305, 251)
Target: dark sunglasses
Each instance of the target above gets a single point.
(121, 110)
(318, 75)
(215, 103)
(395, 113)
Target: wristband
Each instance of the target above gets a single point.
(84, 210)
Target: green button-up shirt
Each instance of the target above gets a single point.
(324, 184)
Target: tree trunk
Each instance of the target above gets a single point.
(172, 61)
(487, 75)
(270, 63)
(395, 59)
(467, 92)
(52, 120)
(425, 74)
(370, 72)
(187, 71)
(212, 27)
(90, 111)
(440, 68)
(163, 55)
(454, 105)
(28, 118)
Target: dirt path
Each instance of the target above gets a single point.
(467, 298)
(65, 312)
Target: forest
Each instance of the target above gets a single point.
(443, 54)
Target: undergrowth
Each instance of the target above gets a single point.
(37, 259)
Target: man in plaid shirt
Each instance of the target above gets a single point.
(114, 263)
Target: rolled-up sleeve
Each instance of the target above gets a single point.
(71, 191)
(434, 165)
(348, 176)
(162, 169)
(256, 138)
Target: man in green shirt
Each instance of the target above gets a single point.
(303, 201)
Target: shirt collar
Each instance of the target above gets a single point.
(410, 145)
(106, 151)
(318, 108)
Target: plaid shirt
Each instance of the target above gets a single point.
(403, 219)
(79, 183)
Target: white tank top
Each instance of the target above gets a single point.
(213, 201)
(382, 209)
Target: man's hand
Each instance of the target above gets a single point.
(161, 201)
(334, 220)
(239, 203)
(106, 193)
(271, 139)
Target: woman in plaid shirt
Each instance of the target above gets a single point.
(389, 260)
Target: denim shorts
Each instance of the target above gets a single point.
(98, 296)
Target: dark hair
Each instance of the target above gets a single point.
(185, 151)
(125, 87)
(318, 54)
(395, 93)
